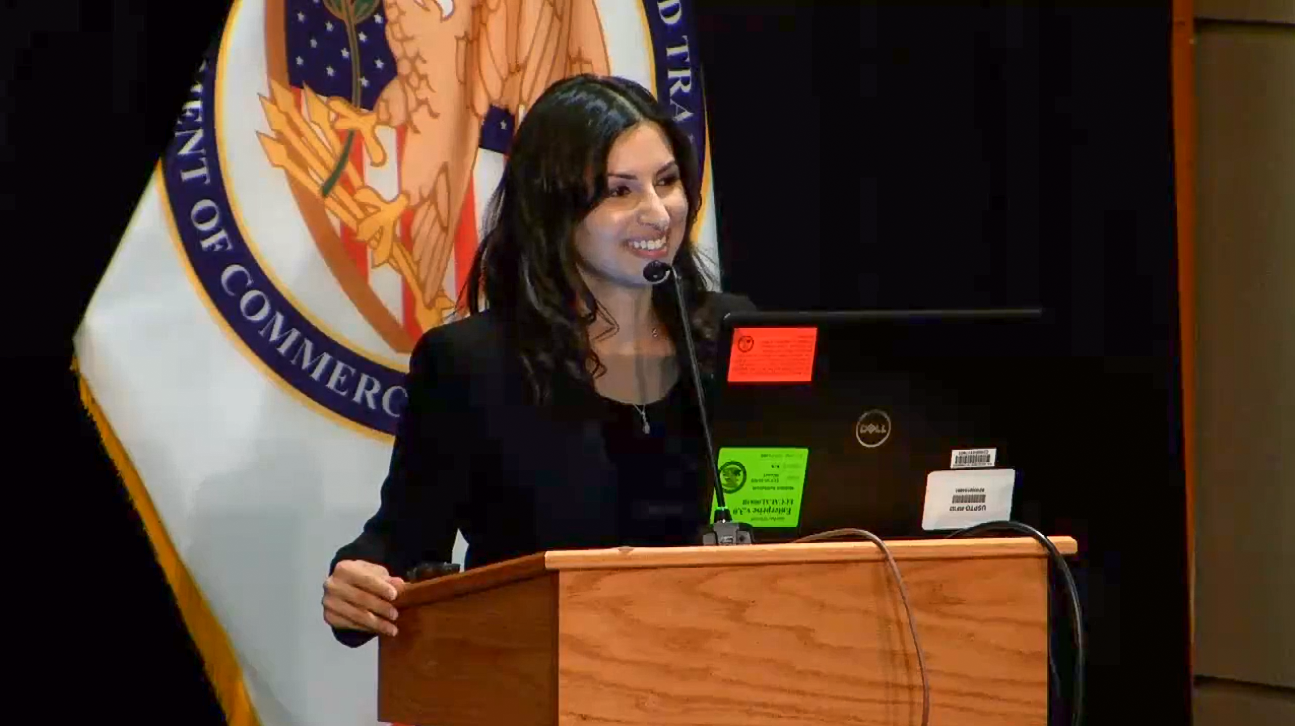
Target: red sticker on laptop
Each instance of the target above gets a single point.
(772, 355)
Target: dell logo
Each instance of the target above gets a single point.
(872, 429)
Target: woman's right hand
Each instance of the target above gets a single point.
(358, 596)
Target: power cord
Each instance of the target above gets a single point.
(903, 595)
(1076, 610)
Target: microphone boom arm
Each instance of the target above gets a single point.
(723, 531)
(721, 510)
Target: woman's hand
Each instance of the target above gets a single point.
(358, 596)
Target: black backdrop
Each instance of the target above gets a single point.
(887, 155)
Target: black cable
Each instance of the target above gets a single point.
(1076, 610)
(903, 596)
(1054, 677)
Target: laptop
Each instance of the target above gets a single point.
(904, 423)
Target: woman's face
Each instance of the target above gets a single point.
(644, 214)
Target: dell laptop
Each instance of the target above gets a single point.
(903, 423)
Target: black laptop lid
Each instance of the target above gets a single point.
(868, 405)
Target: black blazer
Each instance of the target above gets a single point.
(473, 453)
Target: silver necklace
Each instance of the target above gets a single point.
(647, 427)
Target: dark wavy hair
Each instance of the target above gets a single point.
(525, 268)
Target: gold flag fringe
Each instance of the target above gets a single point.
(213, 644)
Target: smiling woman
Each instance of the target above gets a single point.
(600, 181)
(555, 416)
(646, 208)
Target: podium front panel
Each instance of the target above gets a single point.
(804, 644)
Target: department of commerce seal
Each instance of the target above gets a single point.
(331, 168)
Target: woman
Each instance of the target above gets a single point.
(560, 414)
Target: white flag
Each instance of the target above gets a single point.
(316, 212)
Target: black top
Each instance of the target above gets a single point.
(472, 452)
(656, 475)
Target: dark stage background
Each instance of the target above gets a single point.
(887, 155)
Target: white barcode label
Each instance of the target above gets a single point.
(957, 499)
(973, 458)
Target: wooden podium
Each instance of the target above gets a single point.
(743, 636)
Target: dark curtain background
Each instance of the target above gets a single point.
(866, 155)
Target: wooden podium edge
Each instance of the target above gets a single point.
(474, 580)
(800, 553)
(540, 564)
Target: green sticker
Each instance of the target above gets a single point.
(762, 486)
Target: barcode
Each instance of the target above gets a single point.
(968, 498)
(967, 458)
